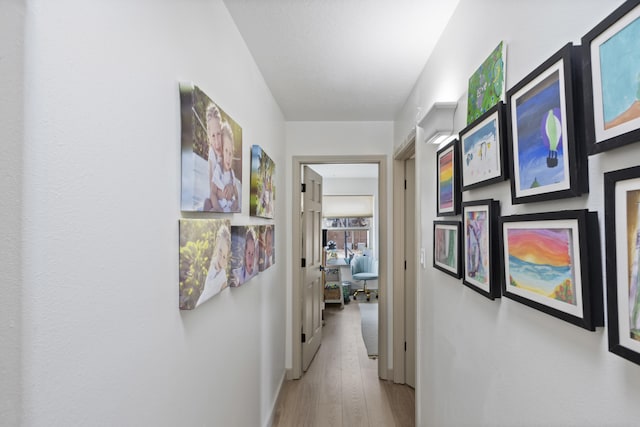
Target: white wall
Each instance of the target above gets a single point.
(357, 186)
(11, 158)
(500, 362)
(103, 341)
(335, 139)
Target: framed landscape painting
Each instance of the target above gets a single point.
(622, 222)
(551, 262)
(448, 180)
(612, 79)
(487, 84)
(263, 170)
(480, 237)
(483, 149)
(446, 247)
(547, 159)
(211, 151)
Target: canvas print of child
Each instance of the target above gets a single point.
(267, 253)
(244, 258)
(211, 154)
(205, 251)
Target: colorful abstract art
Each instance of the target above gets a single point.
(487, 84)
(446, 247)
(633, 261)
(541, 262)
(477, 246)
(446, 181)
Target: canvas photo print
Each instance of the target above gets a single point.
(205, 251)
(263, 169)
(244, 254)
(267, 256)
(211, 145)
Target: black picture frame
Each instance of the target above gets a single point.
(447, 247)
(481, 272)
(448, 194)
(542, 249)
(622, 195)
(543, 117)
(483, 152)
(609, 125)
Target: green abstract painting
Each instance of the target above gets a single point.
(487, 84)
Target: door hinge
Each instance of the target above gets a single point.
(304, 339)
(405, 264)
(405, 345)
(405, 184)
(303, 262)
(303, 188)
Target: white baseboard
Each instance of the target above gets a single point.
(269, 421)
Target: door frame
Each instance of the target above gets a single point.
(384, 256)
(400, 156)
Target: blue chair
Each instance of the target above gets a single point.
(364, 268)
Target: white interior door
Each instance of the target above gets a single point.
(312, 289)
(410, 273)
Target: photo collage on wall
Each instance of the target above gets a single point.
(213, 253)
(581, 101)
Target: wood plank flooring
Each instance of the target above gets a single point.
(341, 387)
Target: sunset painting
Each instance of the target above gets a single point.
(541, 262)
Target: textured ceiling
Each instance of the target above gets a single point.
(346, 60)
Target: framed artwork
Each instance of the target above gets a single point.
(205, 249)
(446, 247)
(547, 158)
(483, 149)
(612, 79)
(551, 262)
(480, 243)
(266, 254)
(487, 84)
(211, 154)
(244, 254)
(622, 228)
(448, 180)
(263, 170)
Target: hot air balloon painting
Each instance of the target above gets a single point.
(539, 126)
(552, 135)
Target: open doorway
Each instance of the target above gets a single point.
(374, 242)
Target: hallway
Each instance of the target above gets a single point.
(341, 387)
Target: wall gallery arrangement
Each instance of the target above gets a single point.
(213, 254)
(581, 101)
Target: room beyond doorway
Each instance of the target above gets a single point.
(381, 245)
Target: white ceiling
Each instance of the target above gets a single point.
(346, 60)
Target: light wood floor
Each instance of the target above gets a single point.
(341, 388)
